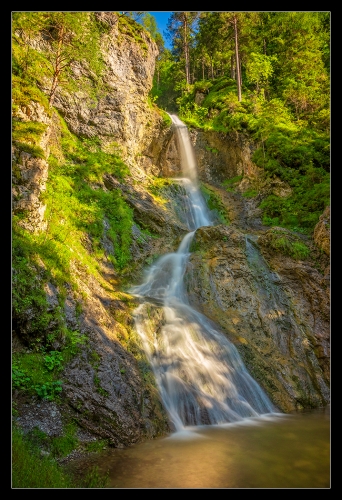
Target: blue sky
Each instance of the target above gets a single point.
(162, 18)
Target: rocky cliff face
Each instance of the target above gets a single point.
(121, 112)
(275, 310)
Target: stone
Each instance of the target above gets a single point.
(322, 232)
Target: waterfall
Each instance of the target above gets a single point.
(200, 375)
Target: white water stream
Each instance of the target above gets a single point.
(200, 375)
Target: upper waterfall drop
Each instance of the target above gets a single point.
(199, 210)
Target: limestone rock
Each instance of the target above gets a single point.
(275, 309)
(322, 232)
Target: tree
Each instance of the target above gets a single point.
(181, 26)
(70, 36)
(259, 69)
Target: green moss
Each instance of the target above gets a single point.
(25, 91)
(212, 150)
(97, 446)
(286, 243)
(250, 193)
(100, 389)
(215, 204)
(133, 30)
(167, 122)
(35, 151)
(61, 446)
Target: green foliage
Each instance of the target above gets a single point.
(30, 374)
(49, 390)
(129, 27)
(96, 446)
(259, 69)
(202, 86)
(250, 193)
(37, 372)
(167, 71)
(166, 118)
(287, 244)
(70, 37)
(193, 114)
(61, 446)
(27, 135)
(284, 105)
(27, 291)
(215, 204)
(53, 360)
(158, 184)
(288, 149)
(30, 469)
(76, 212)
(232, 182)
(24, 91)
(212, 150)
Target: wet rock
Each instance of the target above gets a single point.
(273, 308)
(322, 232)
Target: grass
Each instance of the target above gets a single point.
(31, 469)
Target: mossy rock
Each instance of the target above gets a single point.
(283, 241)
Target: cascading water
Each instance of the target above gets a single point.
(200, 375)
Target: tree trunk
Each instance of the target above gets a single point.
(57, 66)
(232, 71)
(186, 50)
(202, 68)
(238, 77)
(240, 73)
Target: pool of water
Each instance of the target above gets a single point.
(282, 451)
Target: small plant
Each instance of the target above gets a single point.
(286, 243)
(233, 180)
(49, 390)
(94, 479)
(96, 446)
(100, 389)
(53, 360)
(212, 150)
(250, 193)
(61, 446)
